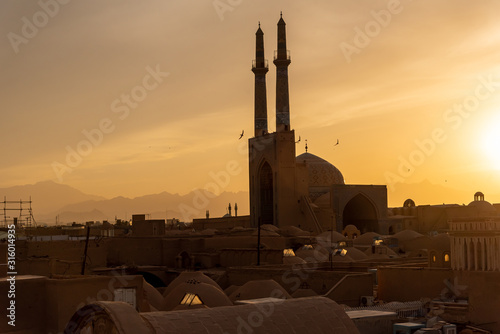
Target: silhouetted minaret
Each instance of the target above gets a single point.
(260, 68)
(282, 60)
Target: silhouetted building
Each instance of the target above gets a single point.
(304, 191)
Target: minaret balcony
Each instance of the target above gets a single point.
(288, 57)
(260, 64)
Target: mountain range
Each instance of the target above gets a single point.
(51, 200)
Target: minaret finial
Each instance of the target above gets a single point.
(306, 145)
(259, 24)
(281, 14)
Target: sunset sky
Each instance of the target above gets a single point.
(420, 83)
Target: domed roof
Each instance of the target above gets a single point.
(259, 289)
(356, 254)
(321, 172)
(293, 231)
(325, 239)
(484, 207)
(304, 315)
(191, 277)
(366, 238)
(152, 296)
(406, 235)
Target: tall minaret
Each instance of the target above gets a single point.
(282, 60)
(260, 68)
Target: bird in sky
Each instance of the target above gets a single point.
(297, 140)
(241, 135)
(337, 143)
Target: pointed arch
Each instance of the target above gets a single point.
(266, 193)
(361, 212)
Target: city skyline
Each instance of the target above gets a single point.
(127, 98)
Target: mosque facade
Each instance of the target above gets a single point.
(305, 191)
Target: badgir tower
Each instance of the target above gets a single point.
(305, 191)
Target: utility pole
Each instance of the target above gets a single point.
(85, 251)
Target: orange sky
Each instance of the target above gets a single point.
(379, 95)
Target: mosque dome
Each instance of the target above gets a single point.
(321, 174)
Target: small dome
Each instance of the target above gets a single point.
(406, 235)
(484, 207)
(316, 255)
(409, 203)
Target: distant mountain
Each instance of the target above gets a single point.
(162, 205)
(46, 196)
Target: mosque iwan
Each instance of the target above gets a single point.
(314, 255)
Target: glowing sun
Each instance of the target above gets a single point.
(490, 144)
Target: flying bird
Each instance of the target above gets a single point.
(241, 135)
(337, 143)
(297, 140)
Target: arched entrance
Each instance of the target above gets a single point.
(360, 212)
(266, 194)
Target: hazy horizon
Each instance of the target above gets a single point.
(413, 97)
